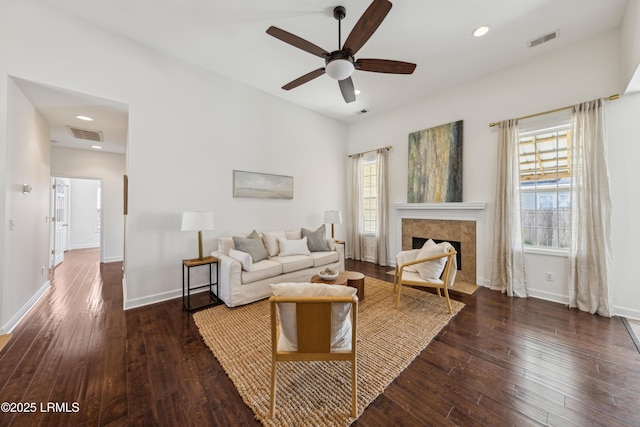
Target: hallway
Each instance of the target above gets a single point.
(70, 348)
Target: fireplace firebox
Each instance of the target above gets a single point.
(418, 242)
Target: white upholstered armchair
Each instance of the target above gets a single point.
(313, 321)
(433, 266)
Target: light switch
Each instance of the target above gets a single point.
(12, 224)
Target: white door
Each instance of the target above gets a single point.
(61, 220)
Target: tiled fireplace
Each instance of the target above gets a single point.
(458, 222)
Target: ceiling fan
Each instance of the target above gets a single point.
(340, 64)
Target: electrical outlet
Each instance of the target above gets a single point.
(549, 276)
(43, 269)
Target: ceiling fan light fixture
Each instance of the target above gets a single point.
(340, 69)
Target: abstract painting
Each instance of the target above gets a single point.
(435, 164)
(263, 185)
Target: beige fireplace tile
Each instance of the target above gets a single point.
(452, 230)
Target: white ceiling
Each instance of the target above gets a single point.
(228, 37)
(60, 107)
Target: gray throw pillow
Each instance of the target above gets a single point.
(253, 247)
(254, 235)
(316, 240)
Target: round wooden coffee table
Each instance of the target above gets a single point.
(345, 278)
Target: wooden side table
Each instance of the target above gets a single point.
(356, 280)
(212, 298)
(340, 280)
(346, 278)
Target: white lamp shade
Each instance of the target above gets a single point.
(339, 69)
(332, 217)
(197, 221)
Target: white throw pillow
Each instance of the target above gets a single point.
(340, 318)
(243, 257)
(431, 270)
(271, 241)
(293, 247)
(293, 235)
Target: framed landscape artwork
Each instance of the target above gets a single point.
(435, 164)
(262, 185)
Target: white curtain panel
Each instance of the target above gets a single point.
(507, 272)
(355, 241)
(382, 243)
(590, 261)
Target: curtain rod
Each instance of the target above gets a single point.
(388, 147)
(610, 98)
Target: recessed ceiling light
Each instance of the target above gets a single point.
(357, 91)
(97, 147)
(85, 118)
(481, 31)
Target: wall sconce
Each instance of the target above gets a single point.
(197, 221)
(332, 217)
(26, 189)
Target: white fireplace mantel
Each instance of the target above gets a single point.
(454, 211)
(468, 211)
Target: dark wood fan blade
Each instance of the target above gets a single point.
(384, 66)
(296, 41)
(303, 79)
(347, 89)
(367, 25)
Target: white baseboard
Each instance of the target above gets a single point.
(113, 259)
(16, 318)
(89, 246)
(160, 297)
(626, 312)
(152, 299)
(564, 300)
(549, 296)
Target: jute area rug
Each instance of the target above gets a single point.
(319, 393)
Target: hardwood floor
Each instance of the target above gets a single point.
(500, 361)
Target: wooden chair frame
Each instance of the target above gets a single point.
(400, 280)
(313, 323)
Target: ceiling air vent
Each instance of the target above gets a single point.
(89, 135)
(543, 39)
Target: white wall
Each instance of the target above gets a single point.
(630, 47)
(25, 274)
(84, 219)
(623, 128)
(585, 71)
(188, 130)
(109, 168)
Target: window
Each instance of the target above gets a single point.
(369, 193)
(545, 181)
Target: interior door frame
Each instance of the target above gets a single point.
(69, 196)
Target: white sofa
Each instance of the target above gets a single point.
(241, 281)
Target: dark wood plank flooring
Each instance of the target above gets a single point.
(499, 362)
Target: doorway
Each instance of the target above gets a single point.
(76, 216)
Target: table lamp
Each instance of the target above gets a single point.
(197, 221)
(332, 217)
